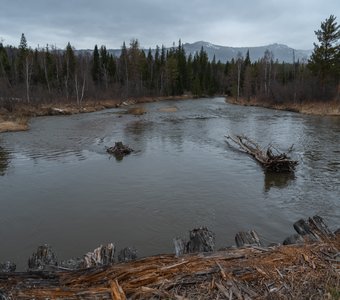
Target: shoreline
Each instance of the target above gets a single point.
(305, 265)
(316, 108)
(18, 120)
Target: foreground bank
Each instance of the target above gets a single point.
(307, 269)
(331, 108)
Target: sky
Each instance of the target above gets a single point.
(236, 23)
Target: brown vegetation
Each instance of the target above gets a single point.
(8, 124)
(17, 119)
(331, 108)
(168, 109)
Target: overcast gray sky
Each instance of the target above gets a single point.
(155, 22)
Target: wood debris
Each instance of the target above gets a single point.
(279, 162)
(303, 271)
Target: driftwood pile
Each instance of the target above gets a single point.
(279, 162)
(119, 150)
(310, 270)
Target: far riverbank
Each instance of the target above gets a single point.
(331, 108)
(18, 119)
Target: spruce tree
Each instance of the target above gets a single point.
(21, 59)
(95, 71)
(325, 59)
(5, 67)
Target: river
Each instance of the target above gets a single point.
(59, 186)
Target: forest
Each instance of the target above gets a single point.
(51, 75)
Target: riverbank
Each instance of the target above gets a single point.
(304, 270)
(331, 108)
(18, 118)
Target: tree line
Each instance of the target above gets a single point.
(54, 75)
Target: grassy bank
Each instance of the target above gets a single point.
(331, 108)
(18, 118)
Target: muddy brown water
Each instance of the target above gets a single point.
(59, 186)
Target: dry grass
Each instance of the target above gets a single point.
(168, 109)
(331, 108)
(13, 124)
(136, 111)
(12, 121)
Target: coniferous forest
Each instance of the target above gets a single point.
(51, 75)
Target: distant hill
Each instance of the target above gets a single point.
(224, 53)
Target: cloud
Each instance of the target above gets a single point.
(110, 22)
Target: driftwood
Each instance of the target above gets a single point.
(119, 150)
(306, 271)
(279, 162)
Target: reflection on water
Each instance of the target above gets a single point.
(182, 175)
(4, 161)
(277, 180)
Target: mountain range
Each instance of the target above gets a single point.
(280, 52)
(224, 53)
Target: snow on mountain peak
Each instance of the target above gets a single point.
(209, 45)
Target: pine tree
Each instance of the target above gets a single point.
(95, 70)
(69, 66)
(325, 59)
(5, 67)
(21, 59)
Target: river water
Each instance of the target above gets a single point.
(59, 186)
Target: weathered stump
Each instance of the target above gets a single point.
(119, 150)
(313, 229)
(7, 267)
(101, 256)
(200, 240)
(43, 259)
(180, 246)
(248, 238)
(127, 254)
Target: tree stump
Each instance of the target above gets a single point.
(247, 238)
(200, 240)
(101, 256)
(43, 259)
(119, 150)
(7, 267)
(127, 254)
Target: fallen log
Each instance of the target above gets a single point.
(279, 162)
(309, 270)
